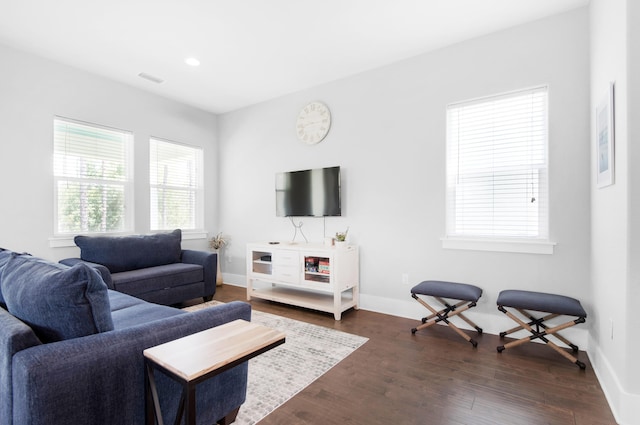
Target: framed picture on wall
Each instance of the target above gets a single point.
(605, 140)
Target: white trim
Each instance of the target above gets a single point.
(497, 160)
(500, 245)
(127, 184)
(194, 234)
(197, 190)
(61, 241)
(623, 404)
(489, 97)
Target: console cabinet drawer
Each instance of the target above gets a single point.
(286, 258)
(286, 273)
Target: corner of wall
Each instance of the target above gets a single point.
(623, 404)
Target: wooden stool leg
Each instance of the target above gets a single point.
(443, 315)
(542, 335)
(541, 321)
(462, 316)
(426, 320)
(462, 334)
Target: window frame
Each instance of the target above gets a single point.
(59, 237)
(453, 239)
(198, 190)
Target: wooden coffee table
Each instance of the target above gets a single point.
(198, 357)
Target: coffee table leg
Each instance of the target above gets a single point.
(189, 396)
(152, 411)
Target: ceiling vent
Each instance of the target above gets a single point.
(150, 77)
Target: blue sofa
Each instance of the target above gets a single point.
(151, 267)
(71, 349)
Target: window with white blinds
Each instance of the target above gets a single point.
(497, 166)
(91, 167)
(176, 186)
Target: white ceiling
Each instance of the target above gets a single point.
(250, 50)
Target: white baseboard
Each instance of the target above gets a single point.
(624, 405)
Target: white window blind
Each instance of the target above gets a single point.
(176, 186)
(497, 166)
(91, 178)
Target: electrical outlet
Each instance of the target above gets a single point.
(405, 278)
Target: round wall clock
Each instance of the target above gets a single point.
(313, 123)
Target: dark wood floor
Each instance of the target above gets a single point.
(435, 377)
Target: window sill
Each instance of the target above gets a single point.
(67, 241)
(500, 245)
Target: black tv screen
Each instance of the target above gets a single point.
(308, 193)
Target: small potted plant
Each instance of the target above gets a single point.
(341, 238)
(216, 243)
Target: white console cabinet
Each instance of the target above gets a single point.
(314, 276)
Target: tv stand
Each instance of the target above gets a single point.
(308, 275)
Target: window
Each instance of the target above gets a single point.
(176, 186)
(91, 178)
(497, 167)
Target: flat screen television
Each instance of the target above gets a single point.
(308, 193)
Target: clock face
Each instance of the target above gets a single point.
(313, 123)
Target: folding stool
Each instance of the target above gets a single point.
(466, 294)
(554, 305)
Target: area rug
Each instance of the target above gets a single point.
(279, 374)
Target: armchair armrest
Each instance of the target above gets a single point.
(15, 336)
(103, 270)
(208, 260)
(100, 378)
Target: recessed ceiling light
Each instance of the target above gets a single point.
(192, 61)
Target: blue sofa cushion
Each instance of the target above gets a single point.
(144, 312)
(118, 301)
(5, 255)
(155, 278)
(123, 253)
(56, 301)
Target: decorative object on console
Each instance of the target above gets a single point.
(341, 238)
(216, 244)
(313, 123)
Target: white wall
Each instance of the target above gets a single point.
(388, 135)
(615, 210)
(633, 128)
(32, 91)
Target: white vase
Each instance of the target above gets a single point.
(341, 244)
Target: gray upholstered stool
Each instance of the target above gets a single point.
(464, 293)
(554, 305)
